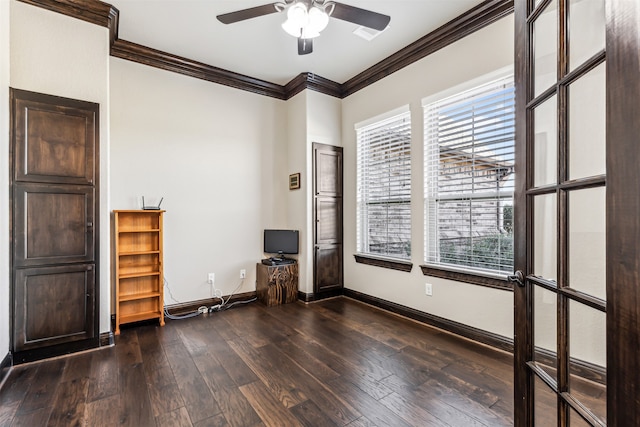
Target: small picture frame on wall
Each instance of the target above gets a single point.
(294, 181)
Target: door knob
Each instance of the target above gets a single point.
(517, 277)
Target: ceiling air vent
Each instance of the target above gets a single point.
(367, 33)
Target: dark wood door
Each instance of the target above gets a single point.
(577, 303)
(54, 225)
(327, 208)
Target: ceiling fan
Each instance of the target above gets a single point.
(306, 18)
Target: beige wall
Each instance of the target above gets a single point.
(296, 200)
(313, 117)
(58, 55)
(484, 308)
(216, 156)
(4, 177)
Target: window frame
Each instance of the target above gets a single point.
(479, 276)
(402, 117)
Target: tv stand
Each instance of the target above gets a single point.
(277, 284)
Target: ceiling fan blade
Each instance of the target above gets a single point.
(253, 12)
(363, 17)
(305, 46)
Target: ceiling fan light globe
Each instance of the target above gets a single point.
(292, 28)
(318, 20)
(297, 12)
(308, 33)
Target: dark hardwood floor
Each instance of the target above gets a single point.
(336, 362)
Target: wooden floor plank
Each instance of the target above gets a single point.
(356, 369)
(465, 403)
(235, 367)
(41, 393)
(164, 393)
(335, 334)
(490, 382)
(235, 407)
(361, 422)
(367, 405)
(104, 412)
(7, 412)
(307, 360)
(151, 351)
(134, 406)
(213, 371)
(198, 399)
(412, 413)
(176, 418)
(334, 408)
(282, 386)
(267, 406)
(197, 340)
(128, 348)
(69, 407)
(39, 417)
(164, 399)
(246, 326)
(310, 414)
(364, 326)
(411, 370)
(251, 324)
(77, 367)
(215, 421)
(17, 384)
(427, 399)
(103, 378)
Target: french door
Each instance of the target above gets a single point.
(577, 304)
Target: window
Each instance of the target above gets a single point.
(469, 179)
(384, 186)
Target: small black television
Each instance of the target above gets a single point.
(281, 242)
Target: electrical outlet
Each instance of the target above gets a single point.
(211, 278)
(428, 289)
(243, 273)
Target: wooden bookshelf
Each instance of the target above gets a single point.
(138, 266)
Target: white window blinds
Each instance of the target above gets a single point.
(469, 178)
(384, 186)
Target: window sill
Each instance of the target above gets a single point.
(467, 277)
(390, 263)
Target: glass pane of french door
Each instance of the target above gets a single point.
(587, 357)
(546, 404)
(545, 339)
(575, 420)
(587, 241)
(587, 117)
(587, 30)
(545, 149)
(545, 30)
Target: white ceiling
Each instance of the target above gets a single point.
(260, 48)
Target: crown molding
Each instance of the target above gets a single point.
(313, 82)
(473, 20)
(177, 64)
(106, 15)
